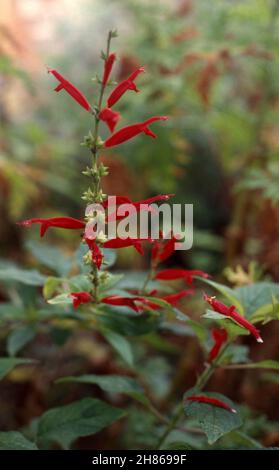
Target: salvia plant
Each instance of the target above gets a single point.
(118, 308)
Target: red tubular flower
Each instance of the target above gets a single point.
(138, 206)
(163, 250)
(220, 336)
(160, 197)
(97, 255)
(110, 117)
(125, 200)
(108, 67)
(122, 301)
(172, 299)
(120, 243)
(123, 86)
(80, 298)
(211, 401)
(129, 132)
(186, 274)
(59, 222)
(71, 89)
(118, 201)
(232, 313)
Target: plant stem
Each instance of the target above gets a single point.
(97, 194)
(171, 426)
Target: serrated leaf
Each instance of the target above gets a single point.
(8, 363)
(14, 440)
(19, 338)
(121, 345)
(65, 424)
(213, 420)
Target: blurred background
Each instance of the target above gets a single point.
(213, 68)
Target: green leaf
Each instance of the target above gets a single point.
(227, 322)
(14, 440)
(272, 377)
(244, 441)
(266, 364)
(214, 421)
(79, 283)
(108, 383)
(236, 354)
(8, 363)
(9, 310)
(50, 257)
(121, 345)
(51, 285)
(267, 312)
(61, 299)
(110, 281)
(254, 296)
(212, 315)
(11, 273)
(127, 323)
(81, 418)
(134, 279)
(19, 338)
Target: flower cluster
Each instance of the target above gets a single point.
(97, 243)
(145, 299)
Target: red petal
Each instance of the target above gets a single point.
(129, 132)
(108, 67)
(71, 89)
(121, 301)
(110, 117)
(122, 87)
(186, 274)
(211, 401)
(120, 243)
(220, 336)
(59, 222)
(80, 298)
(232, 313)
